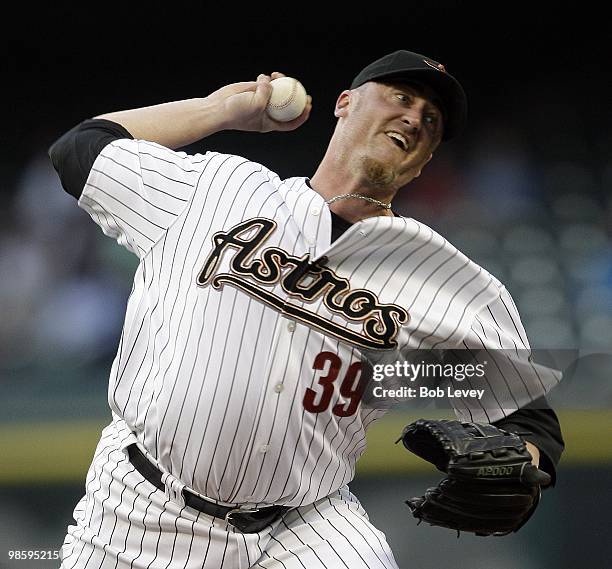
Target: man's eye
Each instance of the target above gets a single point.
(403, 97)
(431, 119)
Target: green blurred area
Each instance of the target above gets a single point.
(43, 465)
(60, 452)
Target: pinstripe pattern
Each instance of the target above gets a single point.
(498, 337)
(211, 378)
(125, 522)
(331, 533)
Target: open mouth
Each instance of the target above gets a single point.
(398, 139)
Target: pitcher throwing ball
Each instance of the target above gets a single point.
(236, 391)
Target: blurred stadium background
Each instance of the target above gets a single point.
(526, 193)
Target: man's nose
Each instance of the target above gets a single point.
(413, 119)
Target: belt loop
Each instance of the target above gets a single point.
(173, 488)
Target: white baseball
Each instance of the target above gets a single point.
(288, 99)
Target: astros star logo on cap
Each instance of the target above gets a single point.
(437, 66)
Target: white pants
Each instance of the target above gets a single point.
(123, 521)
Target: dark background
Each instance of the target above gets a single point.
(539, 67)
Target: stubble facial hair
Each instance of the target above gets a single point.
(377, 173)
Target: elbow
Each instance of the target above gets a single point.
(56, 155)
(65, 161)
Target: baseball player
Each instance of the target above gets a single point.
(236, 389)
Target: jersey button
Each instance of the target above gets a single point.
(264, 448)
(315, 210)
(279, 387)
(291, 326)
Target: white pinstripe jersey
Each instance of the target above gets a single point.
(239, 354)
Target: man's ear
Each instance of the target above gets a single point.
(342, 104)
(423, 166)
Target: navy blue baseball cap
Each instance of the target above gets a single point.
(409, 66)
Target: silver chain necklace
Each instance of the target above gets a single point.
(360, 197)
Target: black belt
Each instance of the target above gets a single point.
(247, 521)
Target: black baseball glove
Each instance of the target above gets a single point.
(491, 488)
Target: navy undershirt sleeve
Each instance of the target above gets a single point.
(540, 421)
(74, 153)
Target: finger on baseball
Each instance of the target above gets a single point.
(299, 121)
(263, 92)
(277, 74)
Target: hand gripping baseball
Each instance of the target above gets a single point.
(491, 488)
(244, 106)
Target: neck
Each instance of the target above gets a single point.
(334, 178)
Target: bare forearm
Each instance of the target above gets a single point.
(239, 106)
(174, 124)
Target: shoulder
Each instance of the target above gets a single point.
(298, 184)
(154, 156)
(437, 241)
(145, 149)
